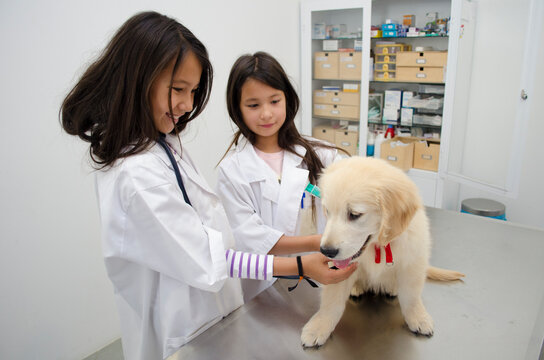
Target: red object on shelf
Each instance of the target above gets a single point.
(390, 132)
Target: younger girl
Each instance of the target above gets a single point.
(262, 180)
(165, 232)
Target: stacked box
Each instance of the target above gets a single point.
(336, 104)
(326, 65)
(324, 132)
(426, 154)
(425, 66)
(345, 65)
(347, 140)
(343, 138)
(350, 65)
(399, 155)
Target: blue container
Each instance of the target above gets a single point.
(484, 207)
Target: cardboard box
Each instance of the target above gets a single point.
(390, 33)
(392, 99)
(409, 20)
(330, 45)
(354, 88)
(326, 65)
(336, 111)
(406, 116)
(324, 132)
(425, 58)
(336, 97)
(347, 140)
(389, 27)
(401, 156)
(421, 74)
(426, 154)
(375, 33)
(350, 65)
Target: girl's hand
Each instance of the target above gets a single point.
(316, 267)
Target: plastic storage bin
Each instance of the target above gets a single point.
(384, 75)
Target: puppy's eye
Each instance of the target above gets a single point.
(354, 216)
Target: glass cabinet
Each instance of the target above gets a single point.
(335, 43)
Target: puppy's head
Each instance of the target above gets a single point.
(366, 200)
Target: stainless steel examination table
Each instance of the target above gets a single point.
(497, 312)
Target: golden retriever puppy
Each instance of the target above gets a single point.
(376, 217)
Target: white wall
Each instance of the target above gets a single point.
(56, 300)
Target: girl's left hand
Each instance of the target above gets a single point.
(316, 266)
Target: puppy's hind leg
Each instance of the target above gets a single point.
(333, 302)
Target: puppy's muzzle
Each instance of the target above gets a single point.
(329, 252)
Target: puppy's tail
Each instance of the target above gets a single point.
(439, 274)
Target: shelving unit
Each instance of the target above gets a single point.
(335, 42)
(363, 14)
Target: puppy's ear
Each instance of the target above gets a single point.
(398, 205)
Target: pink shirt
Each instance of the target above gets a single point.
(274, 160)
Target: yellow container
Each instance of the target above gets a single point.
(385, 75)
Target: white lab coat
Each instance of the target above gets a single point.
(259, 208)
(166, 259)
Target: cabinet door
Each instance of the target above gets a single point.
(335, 50)
(492, 70)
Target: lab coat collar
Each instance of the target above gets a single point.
(253, 163)
(185, 163)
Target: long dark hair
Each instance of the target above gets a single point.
(110, 105)
(262, 67)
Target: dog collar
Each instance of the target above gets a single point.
(388, 254)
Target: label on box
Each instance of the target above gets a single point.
(351, 87)
(326, 66)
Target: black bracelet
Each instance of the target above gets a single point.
(301, 275)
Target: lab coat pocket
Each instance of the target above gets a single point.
(307, 224)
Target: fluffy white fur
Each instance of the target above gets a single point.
(369, 202)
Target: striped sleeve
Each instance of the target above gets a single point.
(249, 266)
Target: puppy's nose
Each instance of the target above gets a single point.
(329, 252)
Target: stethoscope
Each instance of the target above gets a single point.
(162, 142)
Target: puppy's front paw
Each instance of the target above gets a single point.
(421, 323)
(316, 332)
(357, 290)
